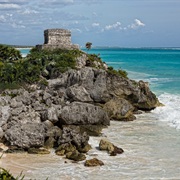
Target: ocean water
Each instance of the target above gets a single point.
(151, 143)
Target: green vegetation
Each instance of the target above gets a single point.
(5, 175)
(119, 72)
(8, 54)
(16, 71)
(95, 61)
(41, 65)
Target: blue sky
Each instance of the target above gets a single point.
(124, 23)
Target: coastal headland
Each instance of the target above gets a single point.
(73, 96)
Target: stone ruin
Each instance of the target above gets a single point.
(57, 39)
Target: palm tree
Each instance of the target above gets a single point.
(88, 45)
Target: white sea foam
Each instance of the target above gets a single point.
(169, 113)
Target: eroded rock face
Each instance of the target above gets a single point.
(86, 97)
(73, 135)
(78, 113)
(25, 135)
(119, 109)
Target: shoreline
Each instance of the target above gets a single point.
(143, 141)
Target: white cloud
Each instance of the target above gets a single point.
(137, 23)
(28, 11)
(58, 2)
(76, 30)
(115, 26)
(95, 24)
(9, 6)
(2, 18)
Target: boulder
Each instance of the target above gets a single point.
(78, 93)
(73, 135)
(25, 135)
(110, 148)
(106, 145)
(119, 109)
(76, 156)
(64, 149)
(78, 113)
(93, 162)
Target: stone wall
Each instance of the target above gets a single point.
(57, 39)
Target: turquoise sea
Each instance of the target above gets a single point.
(151, 143)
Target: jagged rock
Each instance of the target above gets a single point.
(5, 114)
(81, 61)
(78, 93)
(109, 147)
(37, 106)
(54, 132)
(106, 145)
(64, 149)
(25, 135)
(116, 151)
(93, 162)
(76, 156)
(119, 109)
(73, 135)
(92, 130)
(38, 151)
(52, 114)
(131, 91)
(85, 149)
(5, 100)
(49, 143)
(147, 100)
(78, 113)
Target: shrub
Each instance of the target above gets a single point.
(119, 72)
(9, 54)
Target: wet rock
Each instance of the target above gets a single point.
(49, 143)
(76, 156)
(64, 149)
(92, 130)
(93, 162)
(110, 148)
(106, 145)
(38, 151)
(73, 135)
(116, 151)
(119, 109)
(14, 149)
(85, 149)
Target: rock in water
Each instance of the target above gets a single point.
(110, 148)
(93, 162)
(119, 109)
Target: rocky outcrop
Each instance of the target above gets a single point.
(62, 115)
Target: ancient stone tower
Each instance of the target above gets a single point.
(57, 39)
